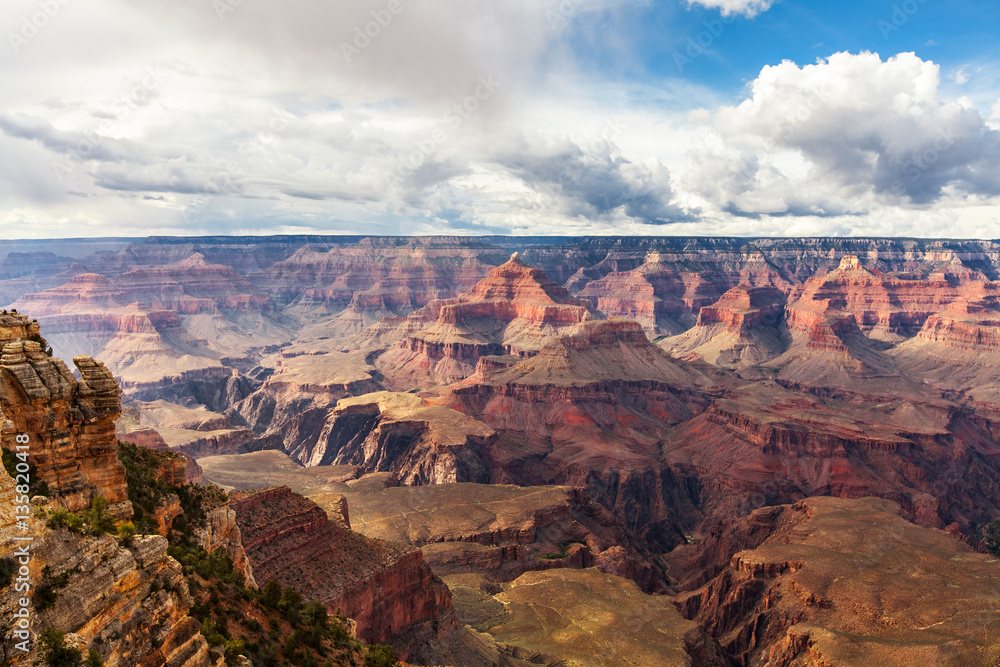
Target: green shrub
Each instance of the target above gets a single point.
(93, 660)
(381, 656)
(47, 591)
(54, 651)
(8, 568)
(272, 594)
(991, 538)
(126, 532)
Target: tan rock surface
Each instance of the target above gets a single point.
(582, 617)
(850, 582)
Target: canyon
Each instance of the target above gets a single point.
(468, 431)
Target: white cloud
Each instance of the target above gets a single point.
(960, 76)
(844, 136)
(748, 8)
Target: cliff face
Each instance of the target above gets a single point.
(743, 328)
(109, 602)
(847, 582)
(69, 422)
(499, 531)
(387, 589)
(514, 310)
(386, 432)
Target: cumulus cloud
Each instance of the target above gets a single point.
(842, 136)
(748, 8)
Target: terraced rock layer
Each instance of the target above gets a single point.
(386, 588)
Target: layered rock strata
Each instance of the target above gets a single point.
(386, 588)
(129, 604)
(845, 582)
(514, 310)
(69, 422)
(743, 328)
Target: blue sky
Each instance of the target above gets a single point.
(478, 117)
(953, 34)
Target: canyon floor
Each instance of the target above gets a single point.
(595, 451)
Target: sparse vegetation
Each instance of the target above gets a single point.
(563, 550)
(56, 653)
(94, 520)
(991, 538)
(8, 568)
(47, 591)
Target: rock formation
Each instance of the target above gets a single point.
(500, 531)
(386, 588)
(514, 310)
(743, 328)
(849, 582)
(69, 422)
(129, 604)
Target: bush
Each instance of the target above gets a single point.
(93, 660)
(991, 538)
(8, 568)
(380, 656)
(272, 594)
(126, 532)
(98, 519)
(47, 591)
(55, 653)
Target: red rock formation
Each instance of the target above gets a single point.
(743, 328)
(406, 273)
(387, 589)
(69, 422)
(514, 310)
(765, 442)
(665, 294)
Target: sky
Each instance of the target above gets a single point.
(524, 117)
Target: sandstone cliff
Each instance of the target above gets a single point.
(129, 604)
(387, 589)
(845, 582)
(514, 310)
(69, 422)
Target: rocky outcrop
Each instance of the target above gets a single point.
(385, 432)
(514, 310)
(128, 603)
(845, 581)
(500, 531)
(744, 328)
(292, 407)
(386, 588)
(69, 422)
(222, 531)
